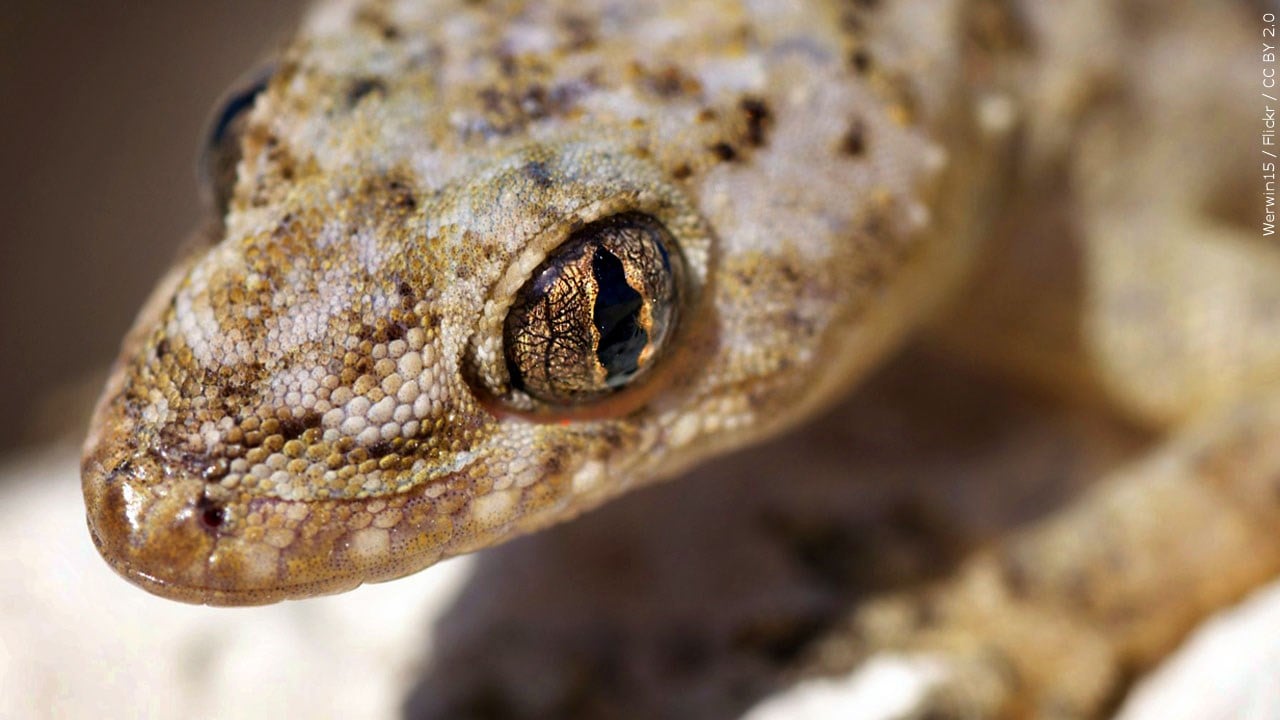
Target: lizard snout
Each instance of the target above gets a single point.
(156, 530)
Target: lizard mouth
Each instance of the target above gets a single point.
(158, 526)
(155, 524)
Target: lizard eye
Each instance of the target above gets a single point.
(221, 152)
(594, 316)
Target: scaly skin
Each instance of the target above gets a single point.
(318, 396)
(402, 175)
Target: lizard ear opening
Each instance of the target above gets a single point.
(596, 314)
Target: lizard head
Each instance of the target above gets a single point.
(454, 296)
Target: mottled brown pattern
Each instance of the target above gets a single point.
(324, 395)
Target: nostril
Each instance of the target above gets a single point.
(211, 514)
(212, 517)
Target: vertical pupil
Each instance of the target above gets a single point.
(616, 318)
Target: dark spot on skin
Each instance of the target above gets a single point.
(402, 196)
(999, 26)
(376, 20)
(759, 120)
(610, 436)
(563, 96)
(682, 172)
(124, 468)
(284, 161)
(667, 82)
(507, 65)
(724, 151)
(162, 348)
(509, 107)
(535, 102)
(854, 141)
(789, 273)
(380, 449)
(851, 23)
(539, 173)
(490, 99)
(396, 331)
(292, 427)
(799, 325)
(284, 228)
(860, 59)
(363, 87)
(579, 33)
(552, 466)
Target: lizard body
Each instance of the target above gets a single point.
(397, 342)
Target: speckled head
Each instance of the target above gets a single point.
(663, 198)
(320, 403)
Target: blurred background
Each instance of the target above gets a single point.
(104, 116)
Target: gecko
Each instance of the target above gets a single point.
(475, 268)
